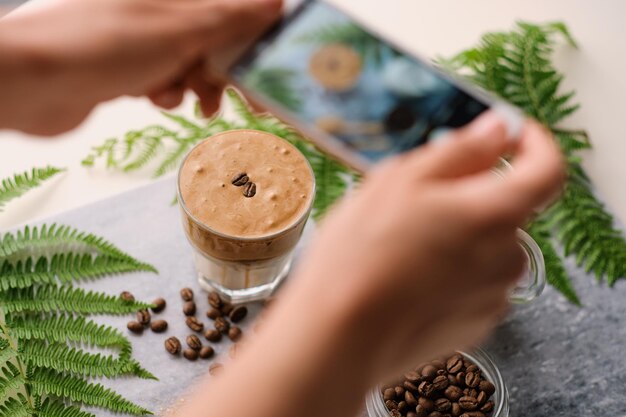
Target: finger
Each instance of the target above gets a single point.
(474, 148)
(208, 93)
(169, 97)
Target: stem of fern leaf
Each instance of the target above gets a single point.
(13, 344)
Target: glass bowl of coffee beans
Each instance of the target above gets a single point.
(462, 385)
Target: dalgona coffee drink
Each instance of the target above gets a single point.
(245, 196)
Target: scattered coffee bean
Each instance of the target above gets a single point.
(472, 379)
(453, 393)
(402, 406)
(399, 391)
(482, 397)
(158, 305)
(451, 379)
(473, 414)
(249, 190)
(143, 317)
(221, 324)
(435, 414)
(411, 414)
(409, 398)
(186, 294)
(468, 403)
(456, 410)
(239, 179)
(158, 326)
(215, 368)
(414, 377)
(214, 300)
(389, 394)
(172, 345)
(426, 403)
(487, 407)
(429, 372)
(487, 387)
(410, 386)
(440, 382)
(391, 405)
(213, 313)
(442, 404)
(395, 413)
(126, 296)
(189, 308)
(190, 354)
(420, 412)
(135, 327)
(472, 368)
(194, 324)
(426, 389)
(194, 342)
(460, 379)
(471, 392)
(206, 352)
(454, 364)
(238, 313)
(226, 309)
(213, 335)
(234, 333)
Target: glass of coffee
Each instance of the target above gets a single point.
(245, 197)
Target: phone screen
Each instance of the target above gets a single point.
(329, 73)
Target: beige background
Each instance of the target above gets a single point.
(443, 27)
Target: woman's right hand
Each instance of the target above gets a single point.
(420, 260)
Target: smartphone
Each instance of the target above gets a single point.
(352, 93)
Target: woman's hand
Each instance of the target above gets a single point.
(58, 61)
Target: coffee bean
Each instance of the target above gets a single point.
(213, 335)
(460, 379)
(410, 399)
(468, 403)
(473, 414)
(471, 392)
(472, 379)
(487, 407)
(172, 345)
(429, 372)
(420, 412)
(143, 317)
(413, 377)
(194, 342)
(238, 313)
(126, 296)
(239, 179)
(215, 368)
(391, 405)
(186, 294)
(410, 386)
(249, 190)
(234, 333)
(221, 324)
(135, 327)
(426, 403)
(440, 382)
(435, 414)
(194, 324)
(190, 354)
(213, 313)
(442, 404)
(454, 364)
(453, 393)
(471, 368)
(442, 372)
(426, 389)
(227, 308)
(399, 391)
(455, 410)
(482, 397)
(158, 326)
(389, 394)
(411, 414)
(189, 308)
(402, 406)
(487, 387)
(451, 379)
(214, 300)
(395, 413)
(158, 305)
(206, 352)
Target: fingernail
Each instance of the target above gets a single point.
(488, 124)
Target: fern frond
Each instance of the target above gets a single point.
(65, 267)
(67, 328)
(66, 299)
(60, 358)
(19, 184)
(11, 380)
(148, 151)
(49, 382)
(173, 159)
(42, 240)
(6, 352)
(55, 408)
(16, 406)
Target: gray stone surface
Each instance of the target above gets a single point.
(557, 359)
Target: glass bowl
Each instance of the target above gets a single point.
(376, 406)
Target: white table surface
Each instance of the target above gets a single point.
(429, 28)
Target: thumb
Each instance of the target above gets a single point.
(472, 149)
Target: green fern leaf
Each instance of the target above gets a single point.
(7, 353)
(66, 299)
(173, 159)
(52, 408)
(149, 148)
(19, 184)
(11, 380)
(66, 267)
(16, 407)
(48, 382)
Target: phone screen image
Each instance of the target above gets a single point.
(330, 74)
